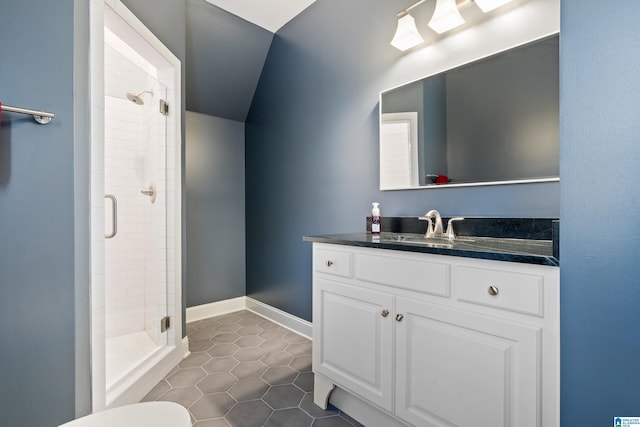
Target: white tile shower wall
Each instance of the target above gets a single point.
(124, 254)
(128, 52)
(122, 76)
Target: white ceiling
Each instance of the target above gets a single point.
(268, 14)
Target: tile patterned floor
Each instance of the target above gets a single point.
(246, 371)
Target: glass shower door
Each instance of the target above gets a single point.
(135, 167)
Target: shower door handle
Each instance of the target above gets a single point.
(114, 216)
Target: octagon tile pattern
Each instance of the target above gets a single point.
(246, 371)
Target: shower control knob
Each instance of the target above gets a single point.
(151, 192)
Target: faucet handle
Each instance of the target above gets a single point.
(450, 233)
(429, 232)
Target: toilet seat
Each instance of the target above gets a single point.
(147, 414)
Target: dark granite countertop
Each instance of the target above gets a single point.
(500, 249)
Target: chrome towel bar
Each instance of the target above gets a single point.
(41, 117)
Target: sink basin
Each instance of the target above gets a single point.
(420, 239)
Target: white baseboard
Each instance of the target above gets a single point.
(276, 315)
(219, 308)
(280, 317)
(184, 347)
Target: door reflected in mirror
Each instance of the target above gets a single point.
(493, 121)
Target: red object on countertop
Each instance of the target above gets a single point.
(442, 179)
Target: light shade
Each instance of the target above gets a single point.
(407, 35)
(446, 16)
(489, 5)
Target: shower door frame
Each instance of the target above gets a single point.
(133, 31)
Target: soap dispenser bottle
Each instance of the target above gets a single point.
(375, 219)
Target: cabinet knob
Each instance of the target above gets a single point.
(384, 313)
(493, 290)
(328, 263)
(399, 317)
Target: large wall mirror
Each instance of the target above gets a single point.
(493, 121)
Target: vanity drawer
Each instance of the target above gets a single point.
(513, 291)
(333, 262)
(413, 274)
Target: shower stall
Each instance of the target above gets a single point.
(136, 286)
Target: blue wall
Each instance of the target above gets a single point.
(37, 231)
(225, 55)
(600, 211)
(214, 185)
(312, 147)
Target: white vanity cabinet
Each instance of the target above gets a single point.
(437, 340)
(356, 332)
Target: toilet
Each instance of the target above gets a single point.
(147, 414)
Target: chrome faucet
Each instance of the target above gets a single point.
(435, 231)
(451, 234)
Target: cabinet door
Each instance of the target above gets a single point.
(454, 368)
(352, 339)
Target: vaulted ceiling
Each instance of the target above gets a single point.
(226, 50)
(268, 14)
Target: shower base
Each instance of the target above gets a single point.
(125, 353)
(134, 362)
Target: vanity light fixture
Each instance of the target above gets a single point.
(446, 16)
(407, 35)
